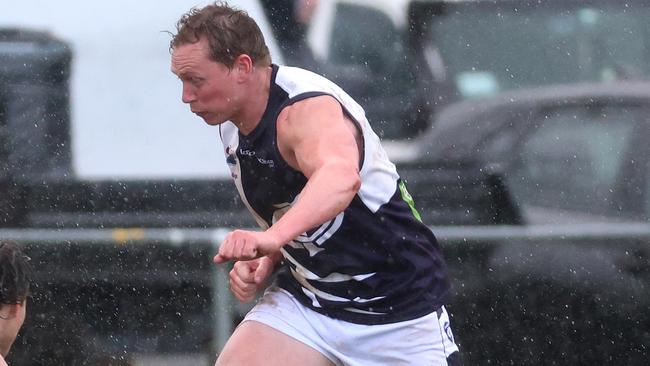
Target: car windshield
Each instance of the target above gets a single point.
(489, 47)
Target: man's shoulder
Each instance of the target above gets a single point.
(296, 81)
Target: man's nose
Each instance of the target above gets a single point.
(188, 94)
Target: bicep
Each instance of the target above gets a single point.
(315, 132)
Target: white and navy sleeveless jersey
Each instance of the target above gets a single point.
(375, 262)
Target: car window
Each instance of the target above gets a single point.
(368, 59)
(572, 159)
(363, 36)
(509, 47)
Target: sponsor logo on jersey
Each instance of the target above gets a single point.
(251, 153)
(270, 163)
(243, 152)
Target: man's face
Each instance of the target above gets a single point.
(209, 87)
(13, 317)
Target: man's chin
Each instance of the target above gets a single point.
(212, 120)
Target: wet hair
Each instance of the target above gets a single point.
(230, 33)
(15, 274)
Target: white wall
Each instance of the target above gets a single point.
(128, 121)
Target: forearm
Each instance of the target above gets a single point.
(328, 192)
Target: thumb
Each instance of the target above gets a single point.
(218, 259)
(263, 270)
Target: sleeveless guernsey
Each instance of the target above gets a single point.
(374, 263)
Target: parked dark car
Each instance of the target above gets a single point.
(567, 154)
(573, 158)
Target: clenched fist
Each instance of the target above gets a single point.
(246, 245)
(247, 277)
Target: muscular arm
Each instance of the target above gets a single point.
(317, 139)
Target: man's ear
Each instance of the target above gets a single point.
(243, 66)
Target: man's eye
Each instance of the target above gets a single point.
(195, 80)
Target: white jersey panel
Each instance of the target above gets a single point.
(230, 139)
(378, 174)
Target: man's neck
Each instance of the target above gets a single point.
(257, 98)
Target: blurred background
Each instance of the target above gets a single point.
(519, 126)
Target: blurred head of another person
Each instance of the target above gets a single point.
(14, 290)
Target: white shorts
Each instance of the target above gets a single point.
(424, 341)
